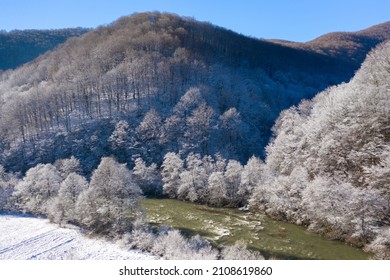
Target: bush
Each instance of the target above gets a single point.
(239, 252)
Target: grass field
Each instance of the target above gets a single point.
(222, 226)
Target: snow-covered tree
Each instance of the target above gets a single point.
(172, 245)
(328, 207)
(149, 133)
(285, 199)
(251, 176)
(378, 177)
(172, 133)
(38, 188)
(217, 189)
(381, 245)
(238, 251)
(231, 131)
(120, 141)
(147, 177)
(233, 179)
(198, 129)
(194, 180)
(172, 167)
(220, 163)
(64, 205)
(111, 202)
(68, 166)
(188, 102)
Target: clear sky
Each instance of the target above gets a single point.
(295, 20)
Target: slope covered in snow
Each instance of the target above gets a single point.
(29, 238)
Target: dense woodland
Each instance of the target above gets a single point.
(161, 105)
(21, 46)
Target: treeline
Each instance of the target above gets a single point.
(107, 204)
(211, 180)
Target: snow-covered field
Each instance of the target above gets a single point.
(29, 238)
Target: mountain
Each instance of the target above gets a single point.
(153, 83)
(20, 46)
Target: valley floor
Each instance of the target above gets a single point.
(30, 238)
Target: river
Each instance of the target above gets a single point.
(221, 226)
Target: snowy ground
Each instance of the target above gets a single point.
(29, 238)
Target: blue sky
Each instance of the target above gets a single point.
(295, 20)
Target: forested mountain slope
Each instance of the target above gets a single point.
(352, 47)
(329, 160)
(153, 83)
(20, 46)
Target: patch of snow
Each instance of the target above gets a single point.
(29, 238)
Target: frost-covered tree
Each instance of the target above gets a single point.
(285, 199)
(217, 189)
(188, 102)
(365, 206)
(7, 186)
(172, 133)
(148, 178)
(63, 207)
(188, 127)
(198, 129)
(120, 141)
(188, 187)
(194, 180)
(231, 131)
(172, 167)
(149, 133)
(233, 179)
(111, 203)
(378, 177)
(238, 251)
(251, 176)
(172, 245)
(40, 185)
(284, 150)
(68, 166)
(381, 245)
(328, 207)
(220, 163)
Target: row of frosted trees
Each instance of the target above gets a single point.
(208, 180)
(108, 203)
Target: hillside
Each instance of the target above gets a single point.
(350, 47)
(20, 46)
(153, 83)
(330, 160)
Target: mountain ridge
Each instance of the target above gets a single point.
(346, 45)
